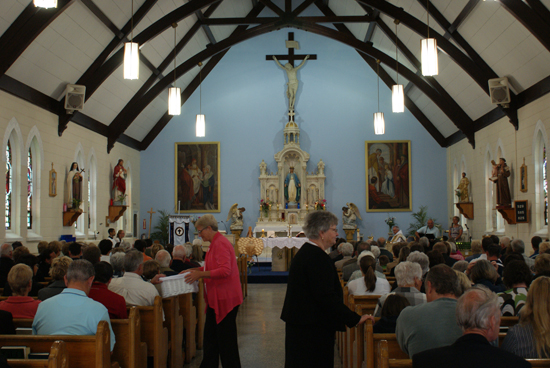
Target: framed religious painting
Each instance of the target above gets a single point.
(197, 177)
(388, 176)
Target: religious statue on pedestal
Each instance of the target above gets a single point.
(292, 85)
(462, 189)
(504, 198)
(119, 182)
(236, 214)
(292, 187)
(349, 216)
(74, 187)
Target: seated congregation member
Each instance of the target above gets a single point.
(359, 274)
(517, 278)
(397, 237)
(445, 251)
(45, 259)
(163, 258)
(117, 262)
(383, 261)
(519, 247)
(482, 272)
(6, 323)
(395, 250)
(72, 312)
(542, 265)
(155, 249)
(140, 245)
(529, 338)
(58, 270)
(6, 262)
(464, 283)
(381, 243)
(131, 286)
(544, 247)
(105, 247)
(150, 270)
(31, 261)
(75, 251)
(197, 255)
(189, 255)
(346, 250)
(20, 304)
(335, 255)
(455, 252)
(432, 324)
(478, 315)
(535, 242)
(92, 254)
(409, 282)
(493, 252)
(404, 252)
(476, 250)
(424, 262)
(369, 284)
(389, 313)
(115, 304)
(349, 269)
(460, 266)
(179, 258)
(435, 258)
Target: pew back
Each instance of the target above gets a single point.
(129, 351)
(153, 333)
(173, 321)
(58, 358)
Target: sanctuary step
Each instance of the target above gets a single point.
(264, 275)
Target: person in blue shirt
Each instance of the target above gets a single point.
(72, 312)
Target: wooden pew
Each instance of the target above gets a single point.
(83, 351)
(22, 322)
(129, 351)
(200, 306)
(368, 305)
(173, 321)
(58, 358)
(189, 314)
(508, 321)
(153, 333)
(372, 353)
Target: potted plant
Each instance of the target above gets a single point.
(120, 200)
(76, 204)
(161, 227)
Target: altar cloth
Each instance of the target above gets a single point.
(283, 242)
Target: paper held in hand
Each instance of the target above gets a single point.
(176, 285)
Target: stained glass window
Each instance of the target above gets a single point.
(8, 186)
(545, 185)
(29, 189)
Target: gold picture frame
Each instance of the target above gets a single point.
(196, 188)
(388, 176)
(52, 182)
(523, 177)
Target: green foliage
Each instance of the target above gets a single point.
(421, 219)
(161, 228)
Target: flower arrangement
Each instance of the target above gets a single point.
(320, 205)
(265, 205)
(121, 198)
(249, 263)
(390, 221)
(194, 219)
(457, 193)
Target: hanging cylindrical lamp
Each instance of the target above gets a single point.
(428, 51)
(45, 3)
(200, 124)
(174, 93)
(131, 54)
(379, 124)
(397, 91)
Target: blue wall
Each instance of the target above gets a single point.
(244, 101)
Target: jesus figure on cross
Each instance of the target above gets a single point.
(292, 84)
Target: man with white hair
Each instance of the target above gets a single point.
(397, 236)
(178, 261)
(6, 262)
(164, 259)
(478, 315)
(346, 250)
(409, 283)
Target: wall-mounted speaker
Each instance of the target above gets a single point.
(75, 96)
(499, 91)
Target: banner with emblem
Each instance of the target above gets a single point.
(179, 229)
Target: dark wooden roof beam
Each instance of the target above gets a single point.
(463, 15)
(205, 27)
(273, 7)
(540, 9)
(103, 18)
(370, 31)
(264, 20)
(302, 7)
(530, 20)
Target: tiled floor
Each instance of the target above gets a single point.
(261, 331)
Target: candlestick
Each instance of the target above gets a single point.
(178, 206)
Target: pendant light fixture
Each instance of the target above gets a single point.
(379, 124)
(45, 3)
(174, 93)
(397, 93)
(428, 50)
(131, 53)
(200, 125)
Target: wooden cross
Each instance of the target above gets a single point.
(291, 57)
(150, 220)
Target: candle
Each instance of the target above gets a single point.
(178, 206)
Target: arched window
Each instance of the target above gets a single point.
(540, 158)
(91, 190)
(30, 188)
(455, 185)
(490, 215)
(9, 186)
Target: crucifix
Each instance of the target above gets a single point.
(292, 85)
(150, 220)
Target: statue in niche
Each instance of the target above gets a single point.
(504, 198)
(349, 216)
(74, 186)
(293, 187)
(263, 168)
(320, 167)
(292, 85)
(462, 189)
(119, 182)
(236, 214)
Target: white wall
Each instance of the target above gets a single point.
(515, 146)
(62, 151)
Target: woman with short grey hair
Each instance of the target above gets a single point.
(420, 258)
(314, 308)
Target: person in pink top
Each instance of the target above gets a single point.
(20, 305)
(223, 295)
